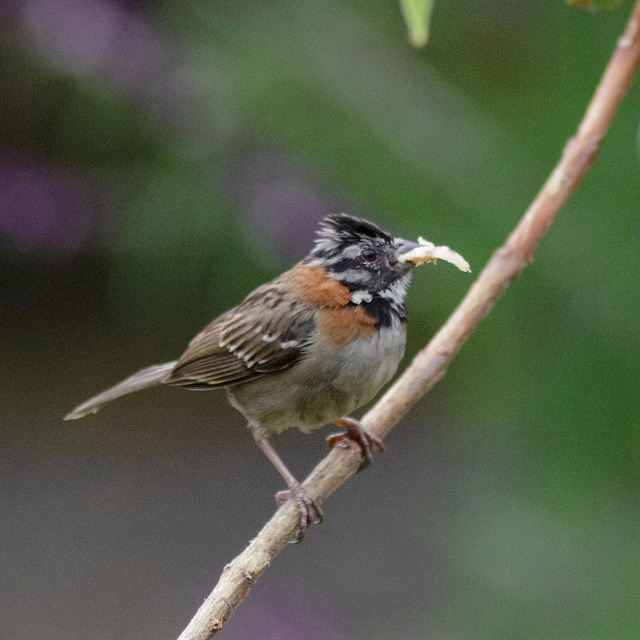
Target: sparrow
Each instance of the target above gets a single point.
(303, 350)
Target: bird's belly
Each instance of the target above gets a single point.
(325, 385)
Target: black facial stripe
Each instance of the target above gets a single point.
(353, 286)
(338, 249)
(345, 264)
(327, 254)
(383, 311)
(354, 279)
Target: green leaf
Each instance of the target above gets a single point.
(417, 15)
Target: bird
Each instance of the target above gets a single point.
(303, 350)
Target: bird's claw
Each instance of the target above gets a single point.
(358, 434)
(308, 509)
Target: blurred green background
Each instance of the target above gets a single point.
(158, 160)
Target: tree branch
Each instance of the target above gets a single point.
(430, 364)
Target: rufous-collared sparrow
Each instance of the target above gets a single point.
(304, 349)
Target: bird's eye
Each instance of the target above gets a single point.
(369, 254)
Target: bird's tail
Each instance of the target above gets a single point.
(149, 377)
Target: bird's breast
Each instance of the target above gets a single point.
(365, 364)
(330, 381)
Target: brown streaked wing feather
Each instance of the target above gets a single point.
(205, 363)
(266, 332)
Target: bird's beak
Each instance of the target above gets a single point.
(404, 246)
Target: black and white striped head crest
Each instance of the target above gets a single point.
(340, 230)
(363, 258)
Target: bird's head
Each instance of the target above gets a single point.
(363, 257)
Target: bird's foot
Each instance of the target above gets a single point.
(356, 432)
(308, 508)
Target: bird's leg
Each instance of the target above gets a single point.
(307, 506)
(356, 432)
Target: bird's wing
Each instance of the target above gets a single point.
(267, 332)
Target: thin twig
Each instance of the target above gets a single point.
(431, 363)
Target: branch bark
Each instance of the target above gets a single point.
(431, 363)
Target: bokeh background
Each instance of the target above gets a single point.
(158, 160)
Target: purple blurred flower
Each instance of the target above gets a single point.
(91, 36)
(280, 201)
(117, 45)
(42, 206)
(272, 618)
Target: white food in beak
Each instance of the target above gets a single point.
(428, 252)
